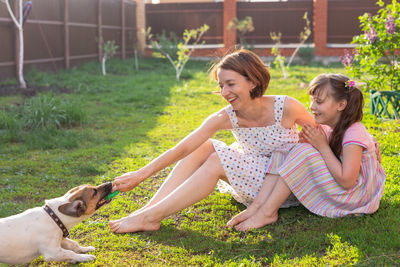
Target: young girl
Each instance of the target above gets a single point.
(261, 124)
(337, 173)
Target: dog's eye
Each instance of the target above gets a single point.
(95, 192)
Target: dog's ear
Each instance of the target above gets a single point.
(75, 208)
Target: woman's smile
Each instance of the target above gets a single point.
(231, 99)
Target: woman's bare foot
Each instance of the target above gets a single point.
(133, 223)
(242, 216)
(258, 220)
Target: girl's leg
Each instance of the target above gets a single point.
(182, 171)
(262, 196)
(196, 187)
(268, 212)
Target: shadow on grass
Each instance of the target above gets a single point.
(346, 240)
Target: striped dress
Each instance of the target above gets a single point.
(308, 177)
(245, 161)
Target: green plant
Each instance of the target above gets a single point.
(279, 59)
(169, 44)
(108, 49)
(242, 27)
(376, 58)
(46, 111)
(306, 54)
(302, 37)
(181, 50)
(38, 120)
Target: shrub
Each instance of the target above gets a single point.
(306, 54)
(242, 27)
(39, 118)
(46, 111)
(375, 59)
(181, 49)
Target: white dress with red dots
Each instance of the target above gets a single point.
(245, 162)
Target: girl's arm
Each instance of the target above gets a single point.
(211, 125)
(346, 173)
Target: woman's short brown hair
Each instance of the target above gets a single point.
(247, 64)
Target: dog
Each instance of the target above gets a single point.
(44, 230)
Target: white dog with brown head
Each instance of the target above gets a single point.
(44, 230)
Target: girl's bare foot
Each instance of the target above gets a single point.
(133, 223)
(242, 216)
(258, 220)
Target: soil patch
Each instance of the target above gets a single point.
(31, 90)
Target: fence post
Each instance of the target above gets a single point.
(123, 31)
(320, 26)
(229, 34)
(99, 28)
(66, 34)
(140, 26)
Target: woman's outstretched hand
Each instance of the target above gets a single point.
(314, 136)
(127, 181)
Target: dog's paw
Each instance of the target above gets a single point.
(85, 258)
(87, 249)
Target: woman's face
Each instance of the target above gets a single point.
(234, 87)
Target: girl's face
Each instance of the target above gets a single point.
(234, 87)
(325, 108)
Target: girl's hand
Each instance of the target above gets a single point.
(314, 136)
(377, 149)
(127, 181)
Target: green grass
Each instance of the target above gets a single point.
(133, 116)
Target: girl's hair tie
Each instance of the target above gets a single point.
(350, 83)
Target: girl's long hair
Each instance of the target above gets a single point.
(341, 88)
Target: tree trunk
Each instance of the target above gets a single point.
(103, 65)
(22, 83)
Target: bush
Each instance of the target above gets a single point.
(375, 60)
(306, 54)
(40, 116)
(46, 112)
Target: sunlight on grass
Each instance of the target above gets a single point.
(133, 116)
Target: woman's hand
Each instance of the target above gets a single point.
(127, 181)
(314, 136)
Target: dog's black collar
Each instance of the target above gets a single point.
(57, 220)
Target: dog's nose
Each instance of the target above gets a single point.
(107, 186)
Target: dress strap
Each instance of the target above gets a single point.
(278, 107)
(232, 116)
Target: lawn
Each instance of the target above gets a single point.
(129, 117)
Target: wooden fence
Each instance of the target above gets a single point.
(63, 33)
(66, 33)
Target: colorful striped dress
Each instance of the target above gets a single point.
(245, 161)
(308, 177)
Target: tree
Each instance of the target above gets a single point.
(242, 27)
(183, 52)
(279, 59)
(108, 49)
(19, 24)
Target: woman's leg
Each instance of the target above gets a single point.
(199, 185)
(268, 212)
(262, 196)
(182, 171)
